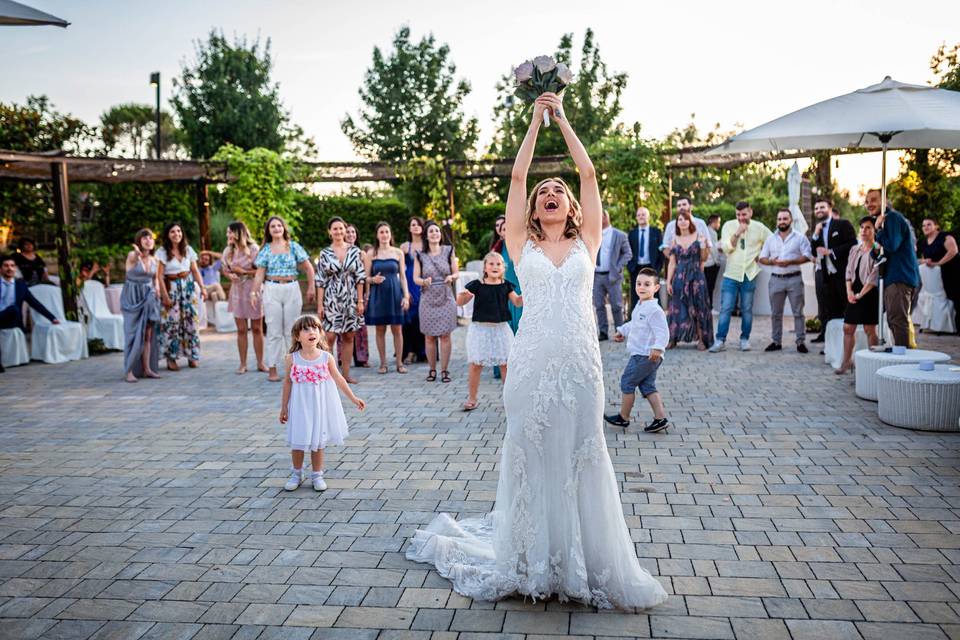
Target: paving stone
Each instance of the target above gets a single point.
(759, 517)
(306, 615)
(690, 627)
(820, 629)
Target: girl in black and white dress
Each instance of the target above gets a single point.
(489, 336)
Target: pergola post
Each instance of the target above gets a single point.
(203, 216)
(667, 214)
(61, 209)
(451, 209)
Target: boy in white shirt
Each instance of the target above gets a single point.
(647, 335)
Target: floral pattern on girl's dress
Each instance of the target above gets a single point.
(313, 374)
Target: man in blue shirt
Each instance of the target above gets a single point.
(900, 272)
(13, 293)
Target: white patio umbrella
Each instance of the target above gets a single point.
(19, 15)
(794, 179)
(888, 115)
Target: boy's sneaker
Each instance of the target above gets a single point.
(318, 483)
(744, 345)
(718, 346)
(296, 479)
(656, 425)
(617, 420)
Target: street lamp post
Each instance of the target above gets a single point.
(155, 83)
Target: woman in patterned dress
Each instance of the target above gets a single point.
(688, 312)
(238, 266)
(434, 271)
(181, 293)
(361, 342)
(340, 278)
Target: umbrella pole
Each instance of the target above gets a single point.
(883, 209)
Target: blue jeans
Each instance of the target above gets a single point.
(729, 290)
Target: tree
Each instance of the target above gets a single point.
(716, 190)
(929, 181)
(591, 103)
(226, 97)
(261, 187)
(130, 130)
(36, 126)
(412, 104)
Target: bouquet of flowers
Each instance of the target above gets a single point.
(541, 75)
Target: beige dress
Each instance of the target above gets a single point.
(239, 302)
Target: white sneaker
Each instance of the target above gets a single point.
(296, 479)
(744, 345)
(318, 483)
(717, 346)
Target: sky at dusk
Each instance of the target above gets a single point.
(733, 63)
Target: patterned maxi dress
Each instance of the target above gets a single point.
(688, 312)
(339, 282)
(179, 330)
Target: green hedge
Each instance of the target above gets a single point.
(480, 219)
(365, 213)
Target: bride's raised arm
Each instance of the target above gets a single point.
(590, 203)
(516, 219)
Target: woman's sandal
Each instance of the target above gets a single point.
(401, 368)
(382, 370)
(444, 376)
(432, 376)
(172, 365)
(470, 405)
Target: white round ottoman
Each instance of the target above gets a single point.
(915, 399)
(869, 362)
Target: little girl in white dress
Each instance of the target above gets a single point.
(310, 405)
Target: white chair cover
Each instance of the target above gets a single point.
(14, 347)
(223, 319)
(55, 343)
(466, 311)
(934, 310)
(833, 342)
(102, 323)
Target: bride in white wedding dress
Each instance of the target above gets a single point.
(557, 527)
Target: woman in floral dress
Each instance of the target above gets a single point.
(688, 312)
(340, 281)
(181, 293)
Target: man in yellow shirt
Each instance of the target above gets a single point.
(742, 241)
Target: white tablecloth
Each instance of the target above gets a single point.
(113, 298)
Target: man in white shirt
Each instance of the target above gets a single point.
(784, 252)
(670, 231)
(613, 256)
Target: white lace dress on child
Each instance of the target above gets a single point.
(557, 526)
(315, 414)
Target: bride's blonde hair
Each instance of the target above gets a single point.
(574, 217)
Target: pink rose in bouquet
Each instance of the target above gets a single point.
(541, 75)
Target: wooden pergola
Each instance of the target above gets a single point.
(59, 168)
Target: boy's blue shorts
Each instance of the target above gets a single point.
(640, 372)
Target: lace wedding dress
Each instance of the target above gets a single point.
(557, 526)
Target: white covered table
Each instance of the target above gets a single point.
(113, 298)
(915, 399)
(934, 310)
(869, 362)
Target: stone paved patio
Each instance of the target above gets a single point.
(778, 506)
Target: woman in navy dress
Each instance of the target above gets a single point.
(387, 295)
(413, 339)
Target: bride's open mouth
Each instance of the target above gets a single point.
(551, 206)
